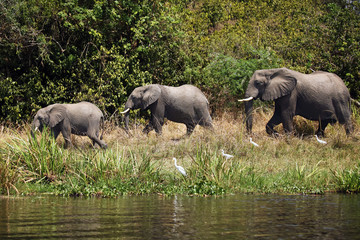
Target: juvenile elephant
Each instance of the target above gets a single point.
(82, 119)
(185, 104)
(320, 96)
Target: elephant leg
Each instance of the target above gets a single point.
(348, 127)
(158, 122)
(274, 121)
(67, 137)
(93, 134)
(157, 119)
(148, 128)
(96, 140)
(206, 122)
(287, 121)
(343, 115)
(287, 106)
(322, 126)
(189, 128)
(97, 136)
(55, 132)
(208, 125)
(66, 132)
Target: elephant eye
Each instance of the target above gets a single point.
(259, 83)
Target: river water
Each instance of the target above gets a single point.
(330, 216)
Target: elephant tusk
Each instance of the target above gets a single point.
(36, 128)
(128, 109)
(246, 99)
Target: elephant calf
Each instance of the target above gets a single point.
(185, 104)
(82, 119)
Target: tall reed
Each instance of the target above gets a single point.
(37, 160)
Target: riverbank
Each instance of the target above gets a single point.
(141, 164)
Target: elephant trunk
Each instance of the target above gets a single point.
(249, 115)
(34, 127)
(32, 133)
(250, 95)
(127, 121)
(128, 106)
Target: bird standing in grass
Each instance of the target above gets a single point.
(227, 156)
(254, 143)
(180, 168)
(320, 141)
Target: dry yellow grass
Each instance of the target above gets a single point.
(229, 133)
(299, 157)
(275, 154)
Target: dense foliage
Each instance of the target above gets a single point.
(98, 50)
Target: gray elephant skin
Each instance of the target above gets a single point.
(319, 96)
(82, 119)
(184, 104)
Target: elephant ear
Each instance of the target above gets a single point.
(280, 83)
(151, 95)
(56, 115)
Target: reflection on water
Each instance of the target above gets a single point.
(181, 217)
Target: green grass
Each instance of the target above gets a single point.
(141, 164)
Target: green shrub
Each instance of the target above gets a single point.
(72, 51)
(99, 51)
(348, 181)
(8, 176)
(226, 78)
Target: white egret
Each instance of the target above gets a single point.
(227, 156)
(254, 143)
(180, 168)
(320, 141)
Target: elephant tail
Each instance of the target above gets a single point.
(102, 126)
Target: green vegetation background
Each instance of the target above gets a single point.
(99, 51)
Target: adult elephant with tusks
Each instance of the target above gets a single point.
(319, 96)
(185, 104)
(84, 119)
